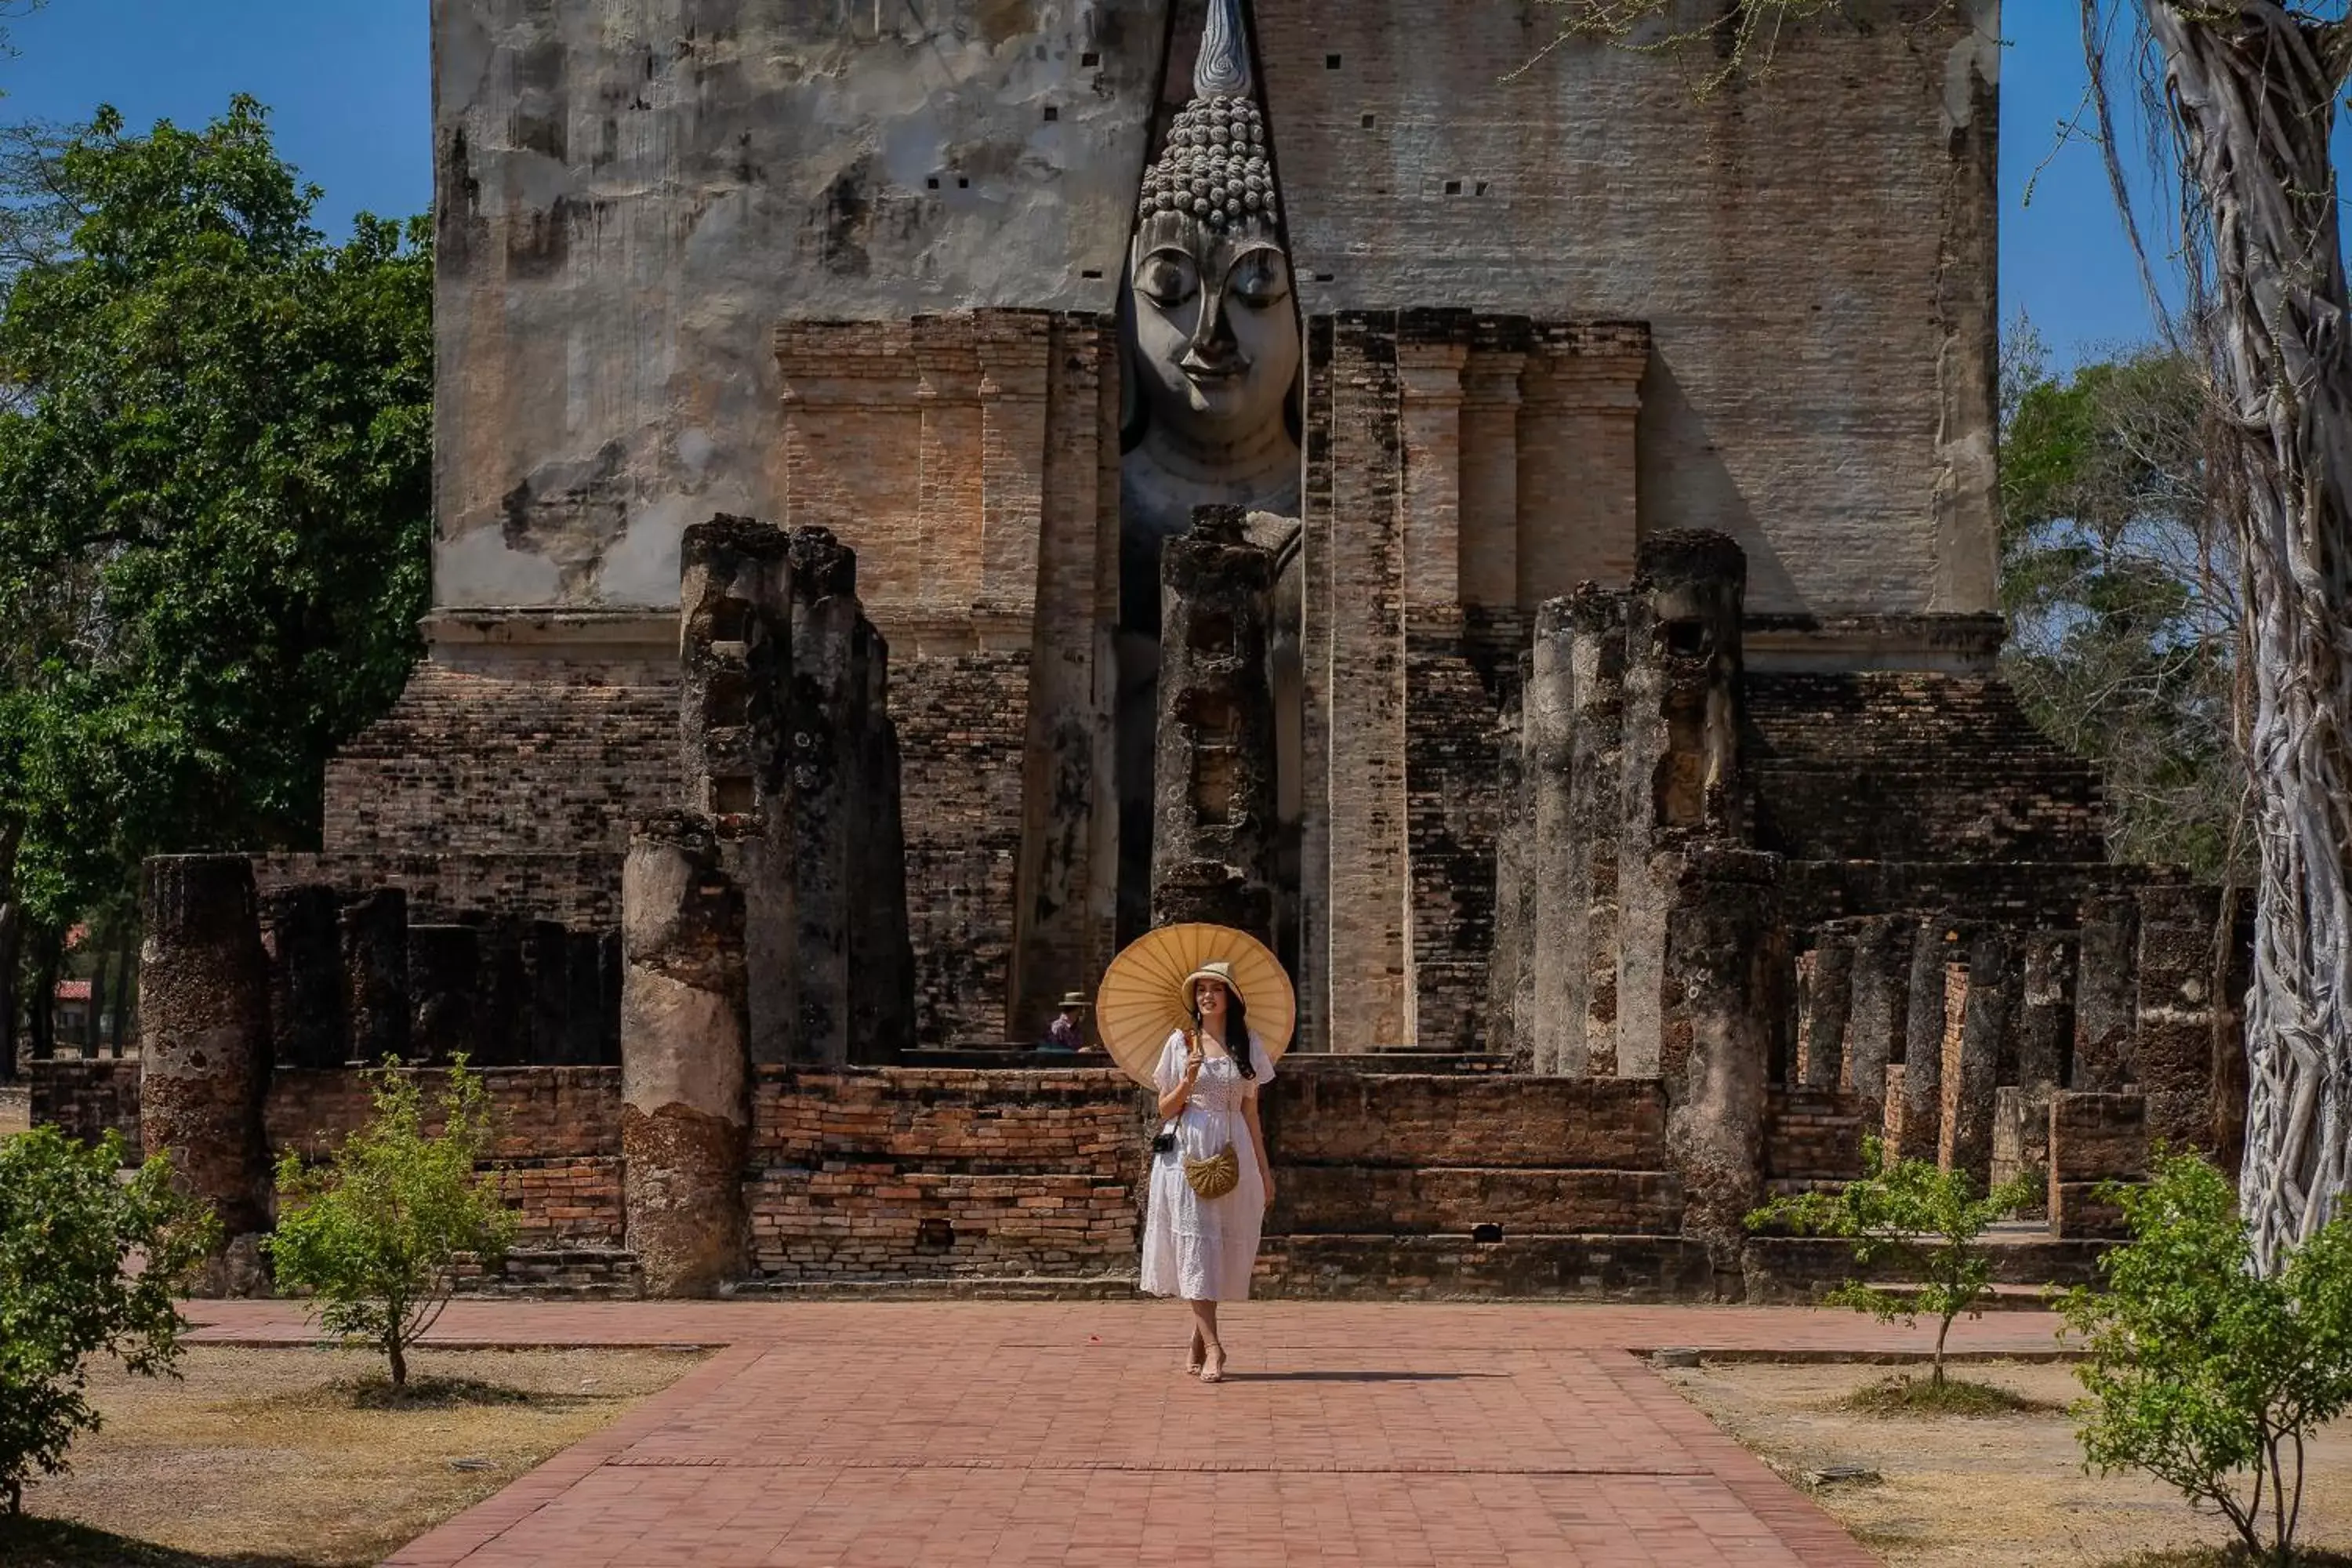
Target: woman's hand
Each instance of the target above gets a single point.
(1265, 1175)
(1194, 1057)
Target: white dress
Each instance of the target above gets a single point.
(1203, 1249)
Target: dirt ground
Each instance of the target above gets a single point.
(15, 1110)
(1993, 1492)
(265, 1457)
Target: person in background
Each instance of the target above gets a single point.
(1067, 1032)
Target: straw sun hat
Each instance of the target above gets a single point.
(1146, 993)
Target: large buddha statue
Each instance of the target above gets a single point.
(1212, 334)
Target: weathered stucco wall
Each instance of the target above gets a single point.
(1813, 254)
(632, 195)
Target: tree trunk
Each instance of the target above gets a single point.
(126, 980)
(12, 925)
(2253, 90)
(50, 950)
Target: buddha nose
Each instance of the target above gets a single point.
(1214, 348)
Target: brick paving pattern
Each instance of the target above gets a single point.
(951, 1433)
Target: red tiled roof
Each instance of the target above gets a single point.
(73, 990)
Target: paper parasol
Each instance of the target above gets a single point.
(1142, 1000)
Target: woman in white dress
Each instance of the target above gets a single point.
(1203, 1249)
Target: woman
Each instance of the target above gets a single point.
(1202, 1249)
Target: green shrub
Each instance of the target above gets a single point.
(89, 1264)
(375, 1235)
(2204, 1372)
(1926, 1222)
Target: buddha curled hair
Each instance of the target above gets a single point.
(1214, 168)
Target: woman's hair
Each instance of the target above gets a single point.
(1236, 1025)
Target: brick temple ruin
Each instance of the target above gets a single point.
(1523, 542)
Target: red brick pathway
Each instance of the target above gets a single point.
(841, 1434)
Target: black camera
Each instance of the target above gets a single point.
(1165, 1143)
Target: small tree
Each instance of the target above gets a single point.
(375, 1234)
(2204, 1372)
(1927, 1223)
(89, 1264)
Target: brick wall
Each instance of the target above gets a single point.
(1910, 766)
(963, 732)
(83, 1100)
(581, 890)
(915, 1172)
(559, 1139)
(1453, 808)
(1323, 1117)
(548, 760)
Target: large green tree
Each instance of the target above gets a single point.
(2121, 597)
(214, 464)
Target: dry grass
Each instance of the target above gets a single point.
(1987, 1491)
(15, 1110)
(268, 1459)
(1902, 1396)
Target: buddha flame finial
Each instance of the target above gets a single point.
(1214, 167)
(1222, 68)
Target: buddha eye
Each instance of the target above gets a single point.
(1167, 279)
(1258, 278)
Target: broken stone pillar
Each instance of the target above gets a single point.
(1679, 763)
(1553, 1033)
(502, 993)
(445, 973)
(2103, 995)
(1513, 884)
(204, 1032)
(2173, 1042)
(1213, 823)
(821, 724)
(2021, 1138)
(1989, 1018)
(1882, 1002)
(303, 941)
(1596, 808)
(547, 974)
(2045, 1011)
(735, 608)
(1922, 1122)
(881, 944)
(374, 930)
(1722, 929)
(2093, 1139)
(1829, 1000)
(685, 1059)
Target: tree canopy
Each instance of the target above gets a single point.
(214, 507)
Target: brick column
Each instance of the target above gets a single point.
(2094, 1138)
(1680, 756)
(2045, 1012)
(1880, 1009)
(1721, 933)
(1831, 997)
(1596, 810)
(685, 1065)
(827, 685)
(2103, 995)
(1923, 1045)
(1514, 881)
(1553, 1033)
(1489, 573)
(374, 929)
(735, 665)
(444, 968)
(1432, 395)
(302, 938)
(204, 1032)
(1988, 1020)
(1577, 473)
(1214, 828)
(2173, 1048)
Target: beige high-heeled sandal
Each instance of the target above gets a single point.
(1217, 1373)
(1196, 1355)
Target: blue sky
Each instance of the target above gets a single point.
(349, 87)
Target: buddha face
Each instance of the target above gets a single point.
(1216, 339)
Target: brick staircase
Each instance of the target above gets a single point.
(1912, 766)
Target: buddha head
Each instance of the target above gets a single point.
(1216, 347)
